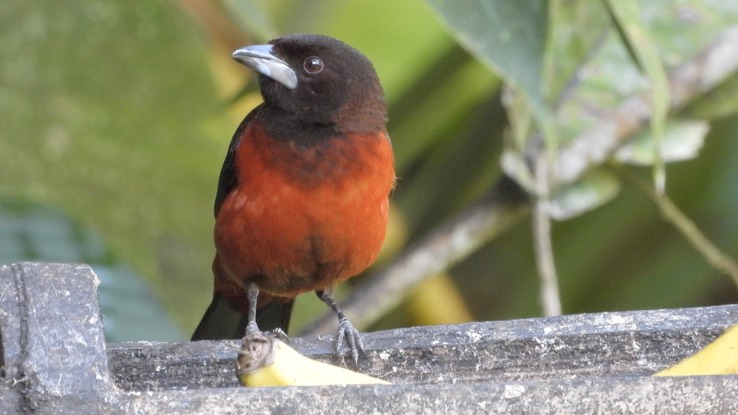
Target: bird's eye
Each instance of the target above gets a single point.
(313, 65)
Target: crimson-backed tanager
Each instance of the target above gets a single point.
(302, 199)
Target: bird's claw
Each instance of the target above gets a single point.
(352, 336)
(278, 333)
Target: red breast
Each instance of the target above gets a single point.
(303, 217)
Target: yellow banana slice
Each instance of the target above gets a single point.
(717, 358)
(267, 361)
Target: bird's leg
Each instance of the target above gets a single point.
(253, 294)
(346, 330)
(252, 327)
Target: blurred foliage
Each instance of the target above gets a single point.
(119, 114)
(109, 113)
(30, 231)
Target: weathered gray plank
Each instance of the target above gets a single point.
(605, 344)
(55, 361)
(628, 395)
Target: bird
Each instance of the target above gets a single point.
(303, 194)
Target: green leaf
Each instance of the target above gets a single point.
(682, 28)
(507, 36)
(681, 140)
(576, 29)
(588, 193)
(628, 16)
(510, 38)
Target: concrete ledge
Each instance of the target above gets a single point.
(56, 361)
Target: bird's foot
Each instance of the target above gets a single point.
(352, 336)
(252, 328)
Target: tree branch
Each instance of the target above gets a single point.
(543, 246)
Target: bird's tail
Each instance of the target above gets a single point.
(221, 321)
